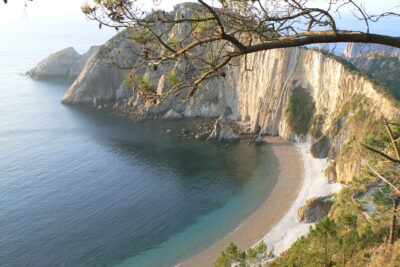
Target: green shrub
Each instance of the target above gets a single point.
(129, 79)
(362, 115)
(300, 110)
(233, 256)
(144, 84)
(172, 78)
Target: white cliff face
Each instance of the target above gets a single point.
(56, 65)
(357, 49)
(261, 95)
(100, 79)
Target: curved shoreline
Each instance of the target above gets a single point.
(315, 184)
(262, 221)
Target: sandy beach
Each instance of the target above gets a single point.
(257, 225)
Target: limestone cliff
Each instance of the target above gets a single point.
(100, 79)
(297, 93)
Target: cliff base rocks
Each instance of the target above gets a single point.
(223, 132)
(315, 209)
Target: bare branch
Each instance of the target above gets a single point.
(381, 153)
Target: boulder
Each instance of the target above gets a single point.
(315, 209)
(223, 132)
(330, 172)
(57, 65)
(320, 148)
(172, 115)
(260, 140)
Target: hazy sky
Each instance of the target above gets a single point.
(15, 10)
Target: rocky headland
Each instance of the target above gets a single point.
(66, 63)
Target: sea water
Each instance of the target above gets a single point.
(80, 187)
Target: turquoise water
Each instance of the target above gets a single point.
(80, 187)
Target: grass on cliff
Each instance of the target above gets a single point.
(172, 77)
(301, 108)
(140, 82)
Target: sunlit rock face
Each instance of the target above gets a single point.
(261, 96)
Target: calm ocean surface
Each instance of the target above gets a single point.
(84, 188)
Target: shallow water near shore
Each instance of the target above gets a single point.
(80, 187)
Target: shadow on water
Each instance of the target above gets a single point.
(89, 188)
(204, 175)
(147, 141)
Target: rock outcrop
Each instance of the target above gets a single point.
(358, 49)
(100, 79)
(56, 65)
(315, 209)
(172, 115)
(66, 63)
(223, 132)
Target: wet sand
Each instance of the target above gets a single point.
(257, 225)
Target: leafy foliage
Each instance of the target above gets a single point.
(140, 82)
(232, 255)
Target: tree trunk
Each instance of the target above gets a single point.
(392, 234)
